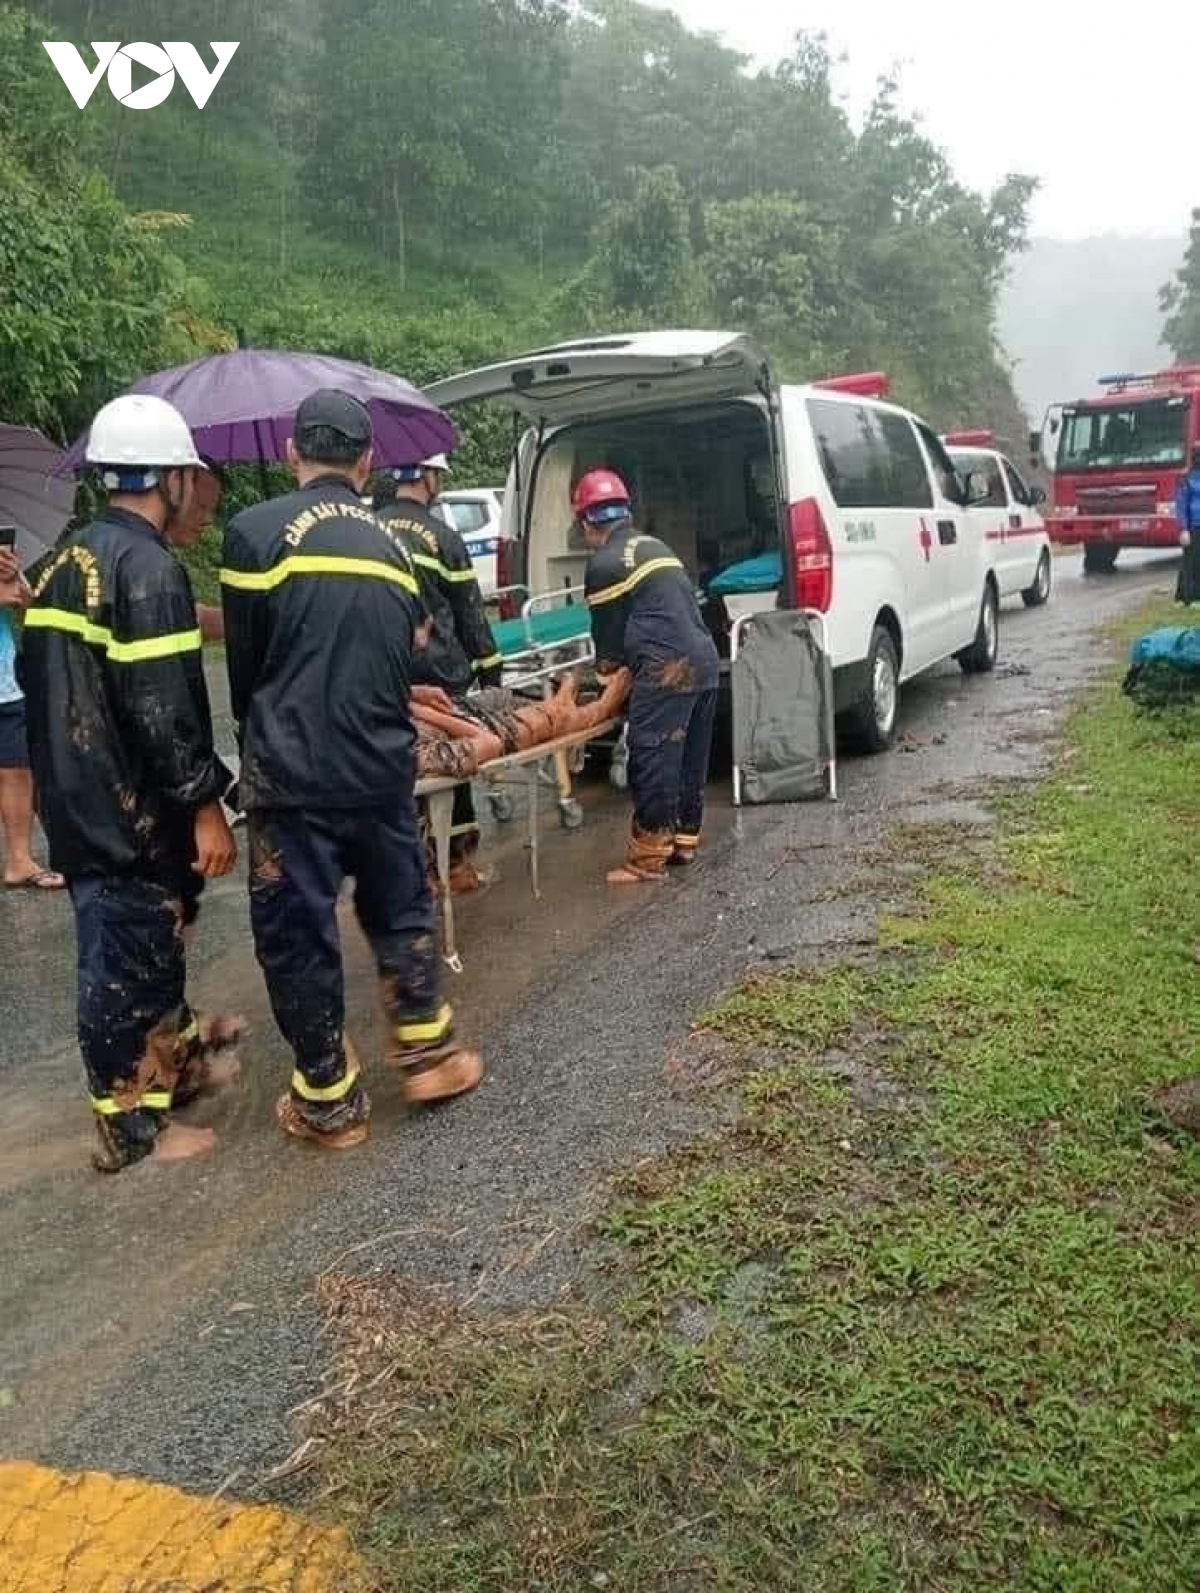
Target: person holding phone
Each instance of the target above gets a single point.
(22, 871)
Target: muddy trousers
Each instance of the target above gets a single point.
(135, 1029)
(299, 859)
(670, 744)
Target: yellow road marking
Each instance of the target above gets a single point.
(86, 1532)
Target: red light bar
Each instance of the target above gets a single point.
(865, 384)
(969, 439)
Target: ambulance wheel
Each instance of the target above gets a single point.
(1099, 558)
(871, 722)
(503, 807)
(570, 814)
(1037, 594)
(980, 657)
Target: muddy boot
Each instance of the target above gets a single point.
(437, 1073)
(434, 1069)
(334, 1125)
(685, 852)
(145, 1136)
(646, 858)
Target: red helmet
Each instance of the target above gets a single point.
(596, 488)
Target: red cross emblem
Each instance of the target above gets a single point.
(926, 541)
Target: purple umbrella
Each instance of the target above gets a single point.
(240, 405)
(33, 496)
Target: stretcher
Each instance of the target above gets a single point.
(552, 634)
(439, 794)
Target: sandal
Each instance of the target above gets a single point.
(42, 879)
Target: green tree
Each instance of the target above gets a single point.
(643, 269)
(1180, 300)
(89, 296)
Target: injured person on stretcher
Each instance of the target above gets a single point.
(456, 737)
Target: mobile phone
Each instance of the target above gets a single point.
(8, 537)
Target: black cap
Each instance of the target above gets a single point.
(328, 407)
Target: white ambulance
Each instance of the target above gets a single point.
(1008, 508)
(822, 497)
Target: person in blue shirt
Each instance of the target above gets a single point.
(21, 869)
(1187, 512)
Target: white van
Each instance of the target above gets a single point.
(820, 497)
(1008, 507)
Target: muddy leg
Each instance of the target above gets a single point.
(131, 978)
(297, 864)
(396, 911)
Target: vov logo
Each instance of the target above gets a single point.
(163, 60)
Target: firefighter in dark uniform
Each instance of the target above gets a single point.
(321, 612)
(461, 650)
(646, 617)
(130, 787)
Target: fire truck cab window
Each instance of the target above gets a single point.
(1133, 436)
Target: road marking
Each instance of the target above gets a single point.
(86, 1532)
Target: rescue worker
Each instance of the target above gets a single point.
(645, 616)
(1187, 511)
(122, 749)
(322, 609)
(461, 651)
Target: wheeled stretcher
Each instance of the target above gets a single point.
(552, 634)
(439, 794)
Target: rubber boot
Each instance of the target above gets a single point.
(338, 1125)
(645, 859)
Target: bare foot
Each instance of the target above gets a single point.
(628, 876)
(178, 1142)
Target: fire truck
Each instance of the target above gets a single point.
(1116, 460)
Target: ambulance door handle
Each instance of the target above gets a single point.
(947, 533)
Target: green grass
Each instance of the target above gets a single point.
(920, 1319)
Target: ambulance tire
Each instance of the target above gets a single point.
(980, 657)
(1037, 594)
(870, 724)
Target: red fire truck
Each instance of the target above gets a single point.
(1116, 460)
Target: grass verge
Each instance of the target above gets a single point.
(919, 1319)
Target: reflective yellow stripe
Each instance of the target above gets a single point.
(490, 661)
(651, 567)
(444, 570)
(331, 1092)
(153, 1100)
(192, 1032)
(149, 647)
(687, 841)
(316, 564)
(431, 1029)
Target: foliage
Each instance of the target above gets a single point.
(1181, 301)
(89, 297)
(428, 186)
(917, 1319)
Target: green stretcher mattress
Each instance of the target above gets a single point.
(553, 628)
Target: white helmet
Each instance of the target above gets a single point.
(138, 429)
(436, 462)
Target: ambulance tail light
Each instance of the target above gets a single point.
(812, 555)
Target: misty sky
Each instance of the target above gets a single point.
(1065, 89)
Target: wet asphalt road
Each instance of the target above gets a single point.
(161, 1323)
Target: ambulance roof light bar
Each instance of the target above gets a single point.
(979, 438)
(863, 384)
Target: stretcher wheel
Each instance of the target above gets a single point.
(502, 805)
(570, 814)
(618, 774)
